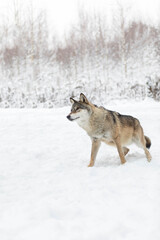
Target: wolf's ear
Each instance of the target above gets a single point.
(83, 98)
(72, 100)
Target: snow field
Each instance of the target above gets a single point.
(47, 191)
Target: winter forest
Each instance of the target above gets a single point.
(105, 61)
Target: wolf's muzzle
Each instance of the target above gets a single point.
(71, 119)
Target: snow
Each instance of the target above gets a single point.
(47, 191)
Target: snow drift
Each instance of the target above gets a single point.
(47, 191)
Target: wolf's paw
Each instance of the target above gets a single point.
(91, 165)
(123, 162)
(149, 158)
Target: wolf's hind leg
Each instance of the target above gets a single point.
(125, 150)
(148, 155)
(141, 142)
(143, 145)
(95, 147)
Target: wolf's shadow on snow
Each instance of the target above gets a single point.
(115, 160)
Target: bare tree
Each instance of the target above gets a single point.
(120, 25)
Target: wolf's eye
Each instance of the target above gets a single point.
(77, 109)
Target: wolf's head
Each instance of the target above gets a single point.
(81, 109)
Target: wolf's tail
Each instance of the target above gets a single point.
(148, 142)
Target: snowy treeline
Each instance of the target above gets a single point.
(105, 61)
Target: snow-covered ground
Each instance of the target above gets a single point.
(48, 193)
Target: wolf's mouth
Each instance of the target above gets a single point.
(73, 119)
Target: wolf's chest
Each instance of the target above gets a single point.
(84, 123)
(95, 130)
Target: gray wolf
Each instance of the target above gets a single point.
(107, 126)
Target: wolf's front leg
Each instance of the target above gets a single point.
(95, 147)
(120, 150)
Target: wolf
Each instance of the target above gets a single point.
(108, 126)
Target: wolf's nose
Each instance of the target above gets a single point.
(68, 117)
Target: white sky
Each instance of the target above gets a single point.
(63, 13)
